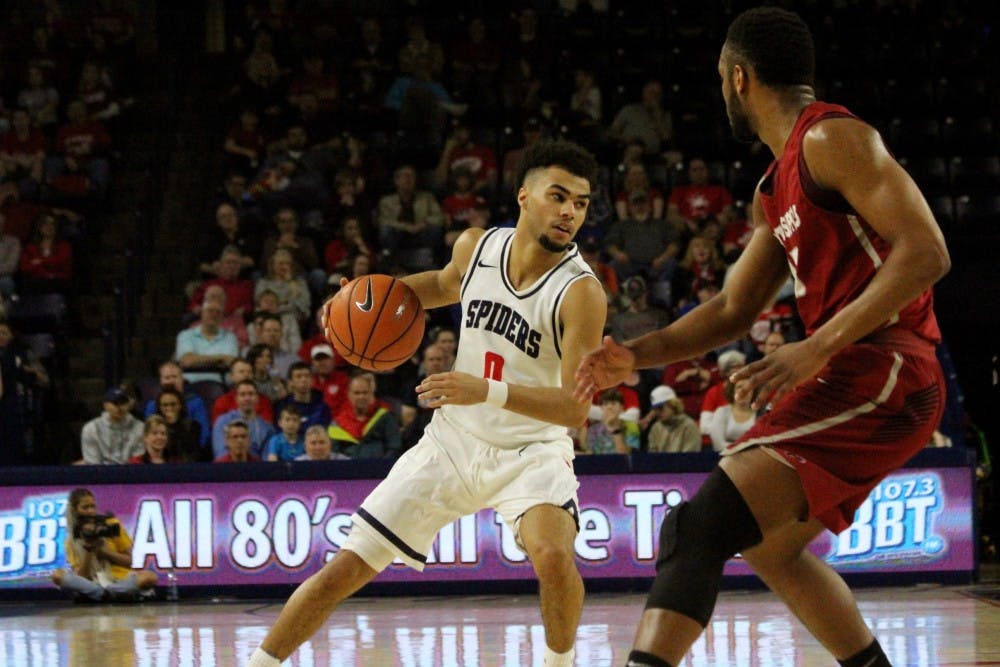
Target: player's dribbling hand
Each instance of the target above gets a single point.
(326, 311)
(605, 367)
(452, 388)
(770, 378)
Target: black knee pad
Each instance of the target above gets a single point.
(696, 540)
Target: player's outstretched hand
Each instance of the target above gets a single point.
(452, 388)
(607, 366)
(770, 378)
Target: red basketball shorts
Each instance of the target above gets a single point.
(872, 408)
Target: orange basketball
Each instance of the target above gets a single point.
(375, 322)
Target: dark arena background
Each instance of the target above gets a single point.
(155, 155)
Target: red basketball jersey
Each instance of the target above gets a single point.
(833, 253)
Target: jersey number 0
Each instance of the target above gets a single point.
(493, 366)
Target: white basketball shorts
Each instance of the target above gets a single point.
(448, 474)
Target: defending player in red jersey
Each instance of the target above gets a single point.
(859, 396)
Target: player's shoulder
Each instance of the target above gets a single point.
(838, 131)
(584, 295)
(472, 237)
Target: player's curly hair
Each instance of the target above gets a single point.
(776, 43)
(558, 153)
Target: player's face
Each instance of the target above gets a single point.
(554, 204)
(739, 119)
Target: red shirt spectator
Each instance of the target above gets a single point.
(318, 338)
(227, 402)
(315, 80)
(81, 138)
(46, 257)
(228, 458)
(736, 237)
(96, 92)
(457, 206)
(20, 216)
(350, 422)
(239, 295)
(327, 379)
(245, 141)
(690, 380)
(55, 263)
(699, 200)
(461, 151)
(334, 388)
(479, 159)
(22, 148)
(630, 404)
(14, 145)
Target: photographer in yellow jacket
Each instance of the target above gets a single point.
(99, 554)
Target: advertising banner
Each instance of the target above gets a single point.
(270, 532)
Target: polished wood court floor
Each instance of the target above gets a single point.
(921, 625)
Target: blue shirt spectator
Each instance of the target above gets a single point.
(246, 409)
(171, 375)
(309, 402)
(205, 352)
(280, 448)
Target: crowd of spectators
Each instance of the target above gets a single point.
(359, 142)
(372, 153)
(64, 90)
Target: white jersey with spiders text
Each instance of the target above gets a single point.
(511, 335)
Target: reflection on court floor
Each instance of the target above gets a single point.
(920, 626)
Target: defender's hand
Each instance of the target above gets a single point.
(778, 373)
(605, 367)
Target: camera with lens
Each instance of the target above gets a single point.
(96, 526)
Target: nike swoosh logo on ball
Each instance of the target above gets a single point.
(367, 305)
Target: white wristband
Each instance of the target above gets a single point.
(496, 394)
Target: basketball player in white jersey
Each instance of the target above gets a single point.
(531, 308)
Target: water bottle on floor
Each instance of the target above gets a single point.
(171, 587)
